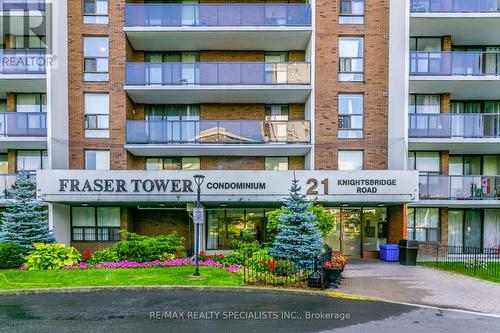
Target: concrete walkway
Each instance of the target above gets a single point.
(419, 285)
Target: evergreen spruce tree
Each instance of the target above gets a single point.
(299, 238)
(24, 221)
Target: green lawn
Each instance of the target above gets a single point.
(17, 279)
(460, 268)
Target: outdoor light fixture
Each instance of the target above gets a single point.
(84, 204)
(161, 204)
(198, 179)
(380, 205)
(344, 204)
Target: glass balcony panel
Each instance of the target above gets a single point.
(214, 73)
(224, 131)
(229, 15)
(13, 124)
(459, 187)
(454, 6)
(454, 125)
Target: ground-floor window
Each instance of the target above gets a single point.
(474, 228)
(95, 223)
(223, 226)
(423, 224)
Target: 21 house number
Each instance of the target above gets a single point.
(313, 186)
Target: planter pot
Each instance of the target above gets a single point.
(333, 275)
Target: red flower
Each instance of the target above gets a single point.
(201, 253)
(86, 254)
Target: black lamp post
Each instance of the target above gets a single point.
(198, 179)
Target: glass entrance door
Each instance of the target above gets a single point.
(351, 231)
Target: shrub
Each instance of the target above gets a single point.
(51, 256)
(11, 255)
(234, 258)
(261, 261)
(284, 268)
(143, 248)
(167, 256)
(478, 264)
(99, 257)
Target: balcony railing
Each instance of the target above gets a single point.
(23, 61)
(455, 63)
(455, 6)
(22, 5)
(217, 15)
(216, 73)
(453, 125)
(459, 187)
(217, 132)
(23, 124)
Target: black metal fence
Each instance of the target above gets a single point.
(469, 260)
(267, 270)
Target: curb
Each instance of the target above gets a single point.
(68, 290)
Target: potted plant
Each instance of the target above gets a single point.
(334, 269)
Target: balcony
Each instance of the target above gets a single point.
(466, 75)
(22, 70)
(23, 130)
(218, 82)
(187, 27)
(469, 22)
(437, 187)
(455, 6)
(459, 133)
(218, 137)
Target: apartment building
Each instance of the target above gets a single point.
(383, 110)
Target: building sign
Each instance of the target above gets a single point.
(198, 215)
(138, 185)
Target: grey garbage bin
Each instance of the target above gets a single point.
(408, 250)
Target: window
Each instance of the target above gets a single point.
(100, 224)
(425, 161)
(277, 112)
(29, 42)
(172, 163)
(31, 160)
(350, 116)
(96, 115)
(351, 58)
(425, 44)
(423, 224)
(425, 104)
(350, 160)
(352, 12)
(4, 164)
(97, 160)
(95, 59)
(465, 165)
(276, 163)
(95, 11)
(31, 103)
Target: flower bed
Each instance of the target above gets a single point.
(155, 263)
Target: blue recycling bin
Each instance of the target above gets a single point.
(389, 252)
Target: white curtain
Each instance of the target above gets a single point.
(491, 236)
(455, 227)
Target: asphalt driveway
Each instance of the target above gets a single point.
(192, 310)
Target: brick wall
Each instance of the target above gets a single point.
(11, 102)
(328, 87)
(232, 111)
(161, 222)
(444, 161)
(232, 163)
(117, 55)
(12, 161)
(446, 43)
(396, 228)
(445, 103)
(296, 163)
